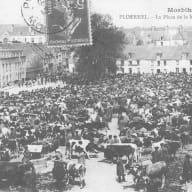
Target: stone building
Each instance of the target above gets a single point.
(154, 59)
(12, 65)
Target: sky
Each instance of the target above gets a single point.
(120, 10)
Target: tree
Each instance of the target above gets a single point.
(108, 44)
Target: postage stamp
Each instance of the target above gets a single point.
(64, 22)
(68, 22)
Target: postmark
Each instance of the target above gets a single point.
(34, 14)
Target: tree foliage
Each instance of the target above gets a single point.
(108, 44)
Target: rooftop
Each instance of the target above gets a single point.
(17, 30)
(150, 52)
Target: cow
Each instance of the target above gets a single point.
(82, 143)
(136, 153)
(147, 141)
(172, 147)
(76, 171)
(138, 170)
(158, 144)
(154, 172)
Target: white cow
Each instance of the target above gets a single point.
(76, 143)
(137, 152)
(158, 144)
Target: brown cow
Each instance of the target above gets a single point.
(155, 171)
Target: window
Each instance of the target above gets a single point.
(161, 43)
(161, 38)
(177, 70)
(190, 62)
(184, 56)
(165, 62)
(130, 55)
(159, 55)
(158, 63)
(138, 62)
(130, 62)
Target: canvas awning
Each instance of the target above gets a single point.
(35, 148)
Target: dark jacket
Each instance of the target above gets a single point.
(187, 170)
(120, 168)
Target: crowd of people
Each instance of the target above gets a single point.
(161, 101)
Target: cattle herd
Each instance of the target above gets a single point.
(153, 115)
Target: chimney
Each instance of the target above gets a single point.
(12, 28)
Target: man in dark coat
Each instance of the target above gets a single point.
(120, 170)
(187, 169)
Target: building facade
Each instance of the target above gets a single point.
(148, 59)
(20, 33)
(60, 60)
(12, 66)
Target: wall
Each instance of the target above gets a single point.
(12, 67)
(151, 66)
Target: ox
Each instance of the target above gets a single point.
(79, 143)
(76, 171)
(155, 175)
